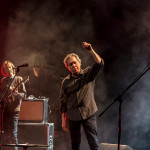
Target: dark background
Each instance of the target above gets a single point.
(42, 32)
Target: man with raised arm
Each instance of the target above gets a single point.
(78, 105)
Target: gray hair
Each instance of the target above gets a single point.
(69, 56)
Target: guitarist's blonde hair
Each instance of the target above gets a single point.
(4, 66)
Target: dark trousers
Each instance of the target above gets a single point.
(90, 129)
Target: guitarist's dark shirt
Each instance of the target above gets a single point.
(13, 103)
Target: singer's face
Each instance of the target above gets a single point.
(74, 66)
(9, 70)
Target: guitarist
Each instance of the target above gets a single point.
(11, 102)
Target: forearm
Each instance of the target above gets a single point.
(23, 95)
(63, 105)
(64, 122)
(63, 116)
(63, 101)
(96, 57)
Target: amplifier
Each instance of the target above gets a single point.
(34, 111)
(108, 146)
(36, 133)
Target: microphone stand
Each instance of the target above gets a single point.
(2, 103)
(120, 100)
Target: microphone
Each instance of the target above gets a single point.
(23, 65)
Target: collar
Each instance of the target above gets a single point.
(81, 72)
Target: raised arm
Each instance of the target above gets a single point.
(89, 48)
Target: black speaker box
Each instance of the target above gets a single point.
(36, 133)
(107, 146)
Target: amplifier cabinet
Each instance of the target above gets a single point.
(36, 133)
(34, 111)
(108, 146)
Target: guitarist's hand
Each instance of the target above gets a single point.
(15, 93)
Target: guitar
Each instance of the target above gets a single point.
(9, 100)
(25, 79)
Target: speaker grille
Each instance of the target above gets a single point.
(35, 110)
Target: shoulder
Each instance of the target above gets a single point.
(4, 78)
(96, 66)
(65, 82)
(86, 69)
(66, 79)
(93, 66)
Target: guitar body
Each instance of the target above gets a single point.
(12, 99)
